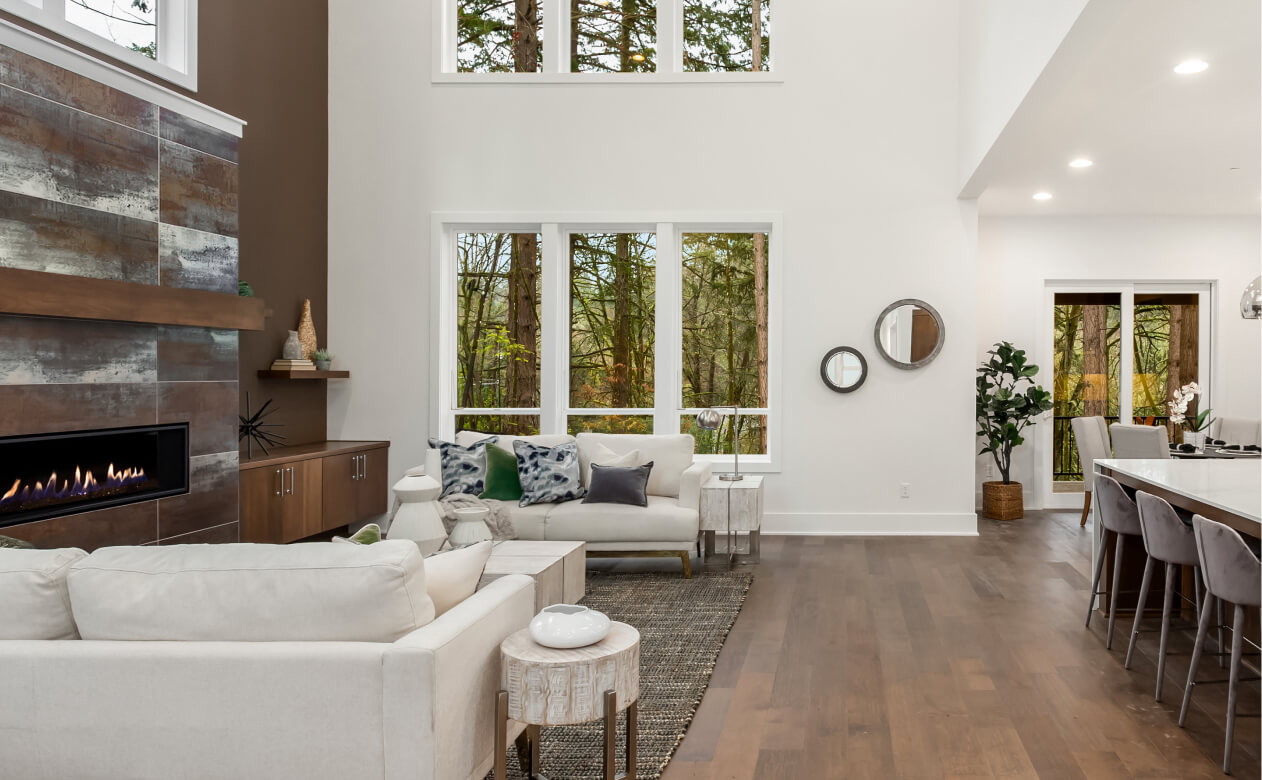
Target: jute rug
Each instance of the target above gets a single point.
(682, 624)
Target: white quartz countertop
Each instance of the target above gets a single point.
(1233, 486)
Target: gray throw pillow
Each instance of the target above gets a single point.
(619, 485)
(548, 474)
(464, 468)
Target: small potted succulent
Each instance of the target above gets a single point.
(1197, 424)
(323, 359)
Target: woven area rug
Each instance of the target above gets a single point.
(682, 624)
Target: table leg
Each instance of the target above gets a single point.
(532, 752)
(709, 543)
(611, 734)
(501, 735)
(755, 546)
(633, 727)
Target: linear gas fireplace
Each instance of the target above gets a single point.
(53, 474)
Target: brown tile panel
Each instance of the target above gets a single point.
(49, 81)
(119, 525)
(197, 260)
(73, 407)
(204, 138)
(39, 350)
(211, 500)
(229, 533)
(43, 235)
(196, 354)
(210, 408)
(54, 152)
(198, 190)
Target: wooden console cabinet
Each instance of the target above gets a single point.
(300, 491)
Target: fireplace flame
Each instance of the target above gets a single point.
(85, 484)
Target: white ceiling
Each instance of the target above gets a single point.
(1162, 143)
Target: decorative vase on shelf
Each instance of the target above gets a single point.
(569, 625)
(1195, 438)
(293, 347)
(307, 331)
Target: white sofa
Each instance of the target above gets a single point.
(419, 706)
(668, 526)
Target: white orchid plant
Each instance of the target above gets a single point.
(1178, 406)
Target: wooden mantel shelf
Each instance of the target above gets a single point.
(303, 374)
(42, 294)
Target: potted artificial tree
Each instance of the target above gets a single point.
(1008, 401)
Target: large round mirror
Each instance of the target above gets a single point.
(843, 369)
(909, 333)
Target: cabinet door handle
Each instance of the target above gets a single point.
(281, 490)
(354, 467)
(363, 463)
(291, 480)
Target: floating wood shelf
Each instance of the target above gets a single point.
(304, 374)
(42, 294)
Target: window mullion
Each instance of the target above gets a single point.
(670, 24)
(554, 392)
(556, 36)
(666, 332)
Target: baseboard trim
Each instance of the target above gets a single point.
(870, 524)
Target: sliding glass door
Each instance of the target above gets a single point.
(1117, 351)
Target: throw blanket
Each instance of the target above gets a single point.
(497, 520)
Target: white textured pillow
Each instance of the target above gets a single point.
(34, 601)
(595, 452)
(252, 592)
(452, 576)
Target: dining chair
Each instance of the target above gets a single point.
(1140, 441)
(1167, 540)
(1236, 430)
(1091, 434)
(1233, 574)
(1117, 515)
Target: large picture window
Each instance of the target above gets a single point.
(552, 327)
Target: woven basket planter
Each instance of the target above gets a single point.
(1002, 502)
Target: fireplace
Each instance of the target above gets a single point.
(54, 474)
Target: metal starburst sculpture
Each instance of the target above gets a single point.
(252, 426)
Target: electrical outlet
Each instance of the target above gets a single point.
(990, 471)
(904, 490)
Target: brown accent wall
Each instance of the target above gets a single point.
(267, 63)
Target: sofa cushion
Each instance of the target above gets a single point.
(502, 482)
(34, 601)
(529, 521)
(671, 455)
(252, 592)
(452, 576)
(663, 520)
(463, 467)
(619, 485)
(599, 454)
(548, 474)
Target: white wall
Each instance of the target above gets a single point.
(1017, 255)
(856, 148)
(1004, 46)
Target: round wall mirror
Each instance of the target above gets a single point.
(909, 333)
(843, 369)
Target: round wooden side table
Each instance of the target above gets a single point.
(543, 686)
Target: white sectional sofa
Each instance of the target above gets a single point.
(211, 661)
(668, 526)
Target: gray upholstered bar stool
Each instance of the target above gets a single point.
(1232, 573)
(1117, 515)
(1168, 540)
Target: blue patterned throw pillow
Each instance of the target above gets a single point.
(548, 474)
(464, 468)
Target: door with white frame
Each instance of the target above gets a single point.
(1115, 350)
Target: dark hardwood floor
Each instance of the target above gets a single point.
(927, 657)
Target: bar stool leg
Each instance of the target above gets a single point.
(1196, 586)
(1222, 659)
(1117, 584)
(1095, 578)
(1237, 639)
(1202, 628)
(1165, 627)
(1139, 613)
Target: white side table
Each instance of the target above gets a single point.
(732, 508)
(544, 686)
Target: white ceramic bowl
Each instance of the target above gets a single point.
(569, 625)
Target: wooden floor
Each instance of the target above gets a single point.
(892, 657)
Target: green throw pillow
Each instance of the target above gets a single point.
(502, 482)
(369, 534)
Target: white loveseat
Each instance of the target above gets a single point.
(668, 526)
(408, 704)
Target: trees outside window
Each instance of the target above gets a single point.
(498, 36)
(613, 36)
(727, 35)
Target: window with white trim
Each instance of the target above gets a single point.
(617, 327)
(657, 39)
(157, 36)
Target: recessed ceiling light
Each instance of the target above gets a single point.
(1042, 196)
(1081, 162)
(1188, 67)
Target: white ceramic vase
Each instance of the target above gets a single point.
(565, 626)
(470, 527)
(1195, 438)
(417, 514)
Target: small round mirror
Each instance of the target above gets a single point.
(843, 369)
(909, 333)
